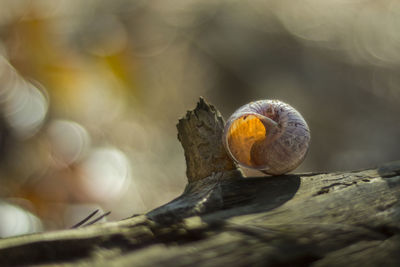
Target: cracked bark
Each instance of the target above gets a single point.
(315, 219)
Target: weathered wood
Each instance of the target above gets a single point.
(200, 133)
(325, 219)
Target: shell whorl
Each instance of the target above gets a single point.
(267, 135)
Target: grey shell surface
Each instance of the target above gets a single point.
(253, 141)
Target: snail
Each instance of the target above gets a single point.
(267, 135)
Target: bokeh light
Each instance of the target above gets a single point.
(70, 141)
(16, 221)
(24, 105)
(106, 174)
(91, 91)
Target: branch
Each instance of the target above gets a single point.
(200, 133)
(319, 219)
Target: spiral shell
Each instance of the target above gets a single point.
(267, 135)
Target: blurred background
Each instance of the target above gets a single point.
(91, 91)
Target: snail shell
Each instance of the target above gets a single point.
(267, 135)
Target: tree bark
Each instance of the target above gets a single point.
(223, 219)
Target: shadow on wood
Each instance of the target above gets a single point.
(231, 197)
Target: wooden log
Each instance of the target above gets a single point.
(223, 219)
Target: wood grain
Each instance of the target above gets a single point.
(223, 219)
